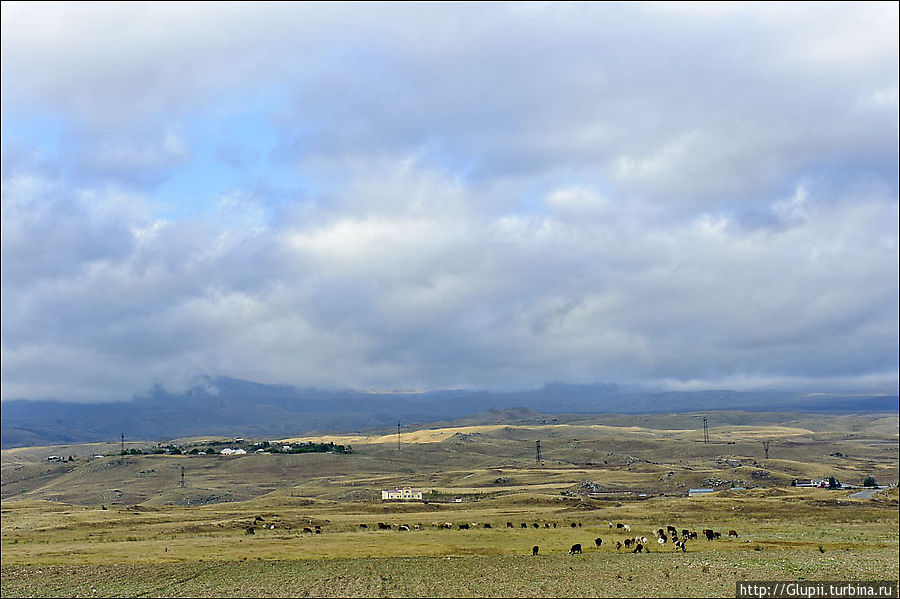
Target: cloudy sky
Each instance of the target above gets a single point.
(395, 196)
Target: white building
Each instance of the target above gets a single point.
(404, 494)
(230, 451)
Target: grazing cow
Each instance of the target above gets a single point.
(685, 533)
(403, 528)
(307, 529)
(524, 525)
(383, 526)
(627, 543)
(509, 525)
(463, 526)
(627, 528)
(671, 529)
(638, 548)
(534, 550)
(717, 535)
(486, 525)
(710, 533)
(546, 525)
(658, 532)
(680, 545)
(574, 525)
(363, 526)
(598, 541)
(536, 525)
(446, 525)
(618, 545)
(576, 548)
(732, 533)
(619, 525)
(661, 540)
(250, 530)
(554, 525)
(610, 524)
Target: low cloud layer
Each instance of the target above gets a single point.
(448, 196)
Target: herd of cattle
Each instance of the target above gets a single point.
(634, 544)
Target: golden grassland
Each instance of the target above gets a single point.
(124, 526)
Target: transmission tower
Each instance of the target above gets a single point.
(123, 444)
(766, 447)
(398, 435)
(537, 452)
(182, 477)
(705, 430)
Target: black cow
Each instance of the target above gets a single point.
(638, 548)
(363, 526)
(598, 541)
(534, 550)
(463, 526)
(524, 525)
(576, 548)
(509, 525)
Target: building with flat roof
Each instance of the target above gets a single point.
(401, 494)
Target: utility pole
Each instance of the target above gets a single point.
(123, 444)
(182, 477)
(537, 455)
(398, 436)
(766, 447)
(705, 430)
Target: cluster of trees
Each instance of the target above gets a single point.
(152, 451)
(209, 448)
(311, 448)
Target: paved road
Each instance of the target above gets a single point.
(867, 494)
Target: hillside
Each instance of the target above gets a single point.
(241, 408)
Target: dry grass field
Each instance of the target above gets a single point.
(124, 526)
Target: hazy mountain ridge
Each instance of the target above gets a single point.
(243, 408)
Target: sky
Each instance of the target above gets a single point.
(430, 196)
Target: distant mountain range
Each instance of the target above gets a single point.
(231, 407)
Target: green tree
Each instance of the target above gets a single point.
(869, 481)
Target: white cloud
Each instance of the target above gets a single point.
(681, 194)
